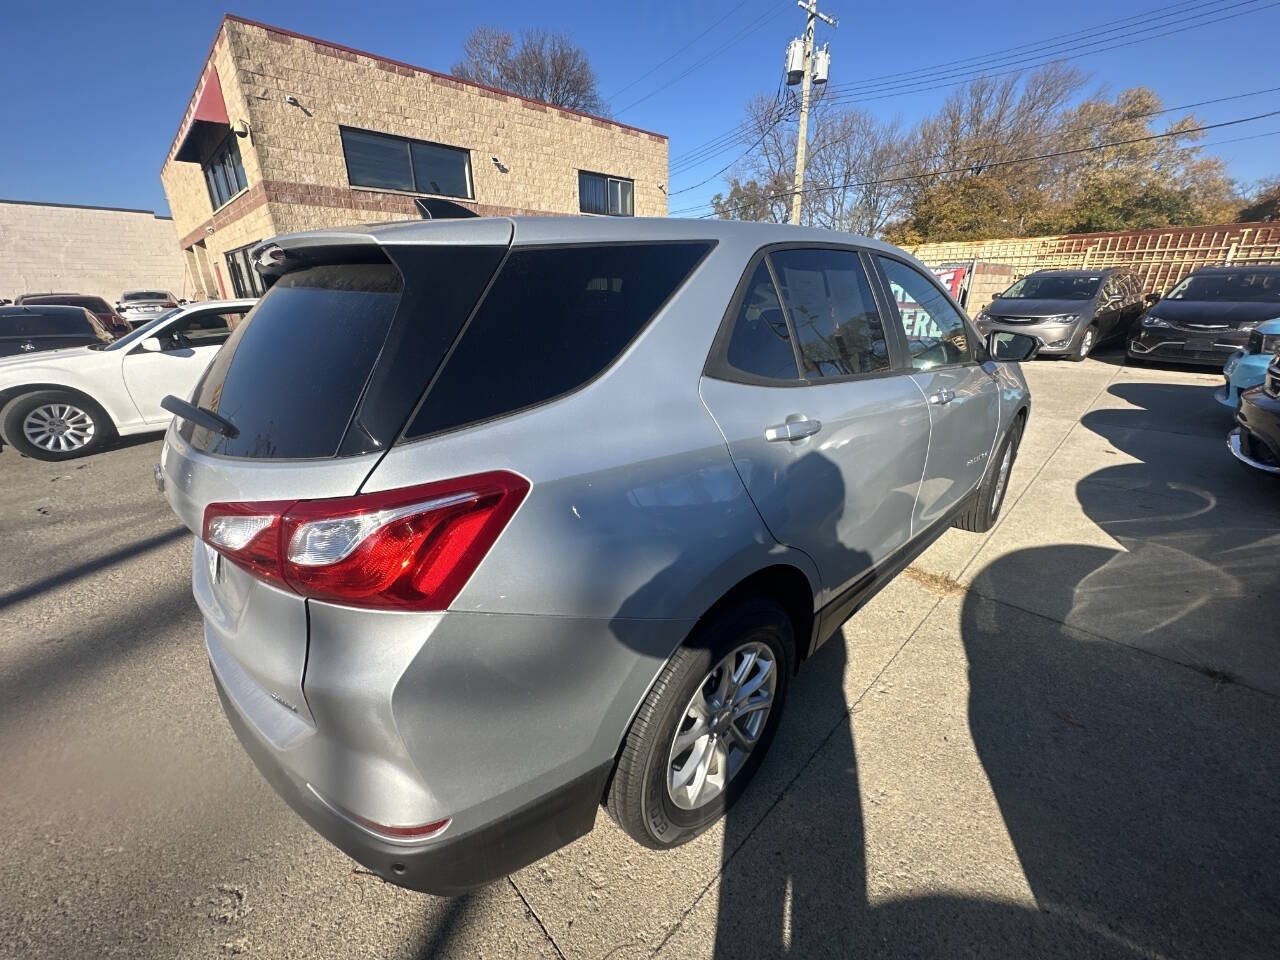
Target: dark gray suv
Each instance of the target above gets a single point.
(1068, 311)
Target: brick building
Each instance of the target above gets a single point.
(286, 132)
(71, 248)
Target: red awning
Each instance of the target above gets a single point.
(209, 115)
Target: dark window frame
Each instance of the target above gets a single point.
(403, 437)
(607, 178)
(978, 348)
(408, 153)
(220, 172)
(717, 365)
(257, 287)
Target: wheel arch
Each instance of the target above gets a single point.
(790, 587)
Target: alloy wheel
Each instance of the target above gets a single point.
(721, 725)
(58, 427)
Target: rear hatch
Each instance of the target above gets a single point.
(318, 381)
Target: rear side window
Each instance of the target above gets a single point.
(555, 318)
(761, 343)
(833, 312)
(292, 373)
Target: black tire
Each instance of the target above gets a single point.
(983, 512)
(1088, 341)
(75, 412)
(638, 797)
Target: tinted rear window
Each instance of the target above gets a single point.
(291, 374)
(63, 323)
(145, 295)
(96, 304)
(554, 318)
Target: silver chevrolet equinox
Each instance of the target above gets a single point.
(499, 521)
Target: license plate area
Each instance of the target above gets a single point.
(1200, 344)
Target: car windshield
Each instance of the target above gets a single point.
(139, 333)
(1049, 286)
(144, 295)
(1242, 286)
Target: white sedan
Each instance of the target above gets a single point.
(61, 404)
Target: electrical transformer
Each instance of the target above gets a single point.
(821, 64)
(795, 62)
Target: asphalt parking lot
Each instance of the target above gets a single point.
(1061, 738)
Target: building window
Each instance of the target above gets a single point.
(224, 173)
(610, 196)
(398, 163)
(245, 280)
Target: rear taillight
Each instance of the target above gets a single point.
(412, 548)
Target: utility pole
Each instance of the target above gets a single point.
(810, 7)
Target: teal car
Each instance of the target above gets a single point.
(1247, 367)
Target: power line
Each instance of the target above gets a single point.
(781, 113)
(1007, 142)
(719, 144)
(750, 28)
(987, 56)
(650, 72)
(1052, 49)
(1074, 151)
(1204, 20)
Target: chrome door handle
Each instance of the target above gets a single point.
(942, 397)
(792, 430)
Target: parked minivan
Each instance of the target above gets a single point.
(1068, 311)
(501, 520)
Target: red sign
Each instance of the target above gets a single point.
(953, 279)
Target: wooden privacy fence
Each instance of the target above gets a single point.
(1161, 257)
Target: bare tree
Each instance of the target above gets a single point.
(850, 152)
(542, 66)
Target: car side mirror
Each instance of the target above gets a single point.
(152, 345)
(1009, 347)
(1151, 298)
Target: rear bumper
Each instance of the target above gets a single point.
(449, 865)
(505, 725)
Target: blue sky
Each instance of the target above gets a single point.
(91, 93)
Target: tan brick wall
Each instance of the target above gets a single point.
(293, 155)
(86, 250)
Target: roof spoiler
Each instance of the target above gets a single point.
(433, 208)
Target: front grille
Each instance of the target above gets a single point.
(1199, 327)
(995, 319)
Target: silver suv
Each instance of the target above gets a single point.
(502, 520)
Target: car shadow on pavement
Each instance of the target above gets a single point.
(90, 567)
(1138, 786)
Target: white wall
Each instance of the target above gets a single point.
(86, 250)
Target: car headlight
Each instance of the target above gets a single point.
(1152, 321)
(1060, 318)
(982, 317)
(1270, 343)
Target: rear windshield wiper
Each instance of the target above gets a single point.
(200, 416)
